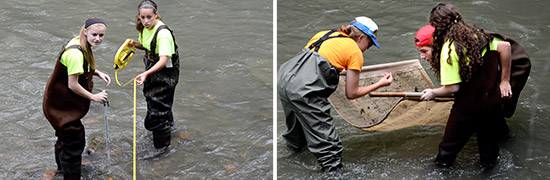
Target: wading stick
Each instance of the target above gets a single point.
(105, 105)
(409, 95)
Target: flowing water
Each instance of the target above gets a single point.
(222, 107)
(409, 153)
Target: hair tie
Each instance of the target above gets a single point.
(148, 6)
(458, 18)
(89, 22)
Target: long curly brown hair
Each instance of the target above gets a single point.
(468, 40)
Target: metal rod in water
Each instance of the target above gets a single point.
(105, 105)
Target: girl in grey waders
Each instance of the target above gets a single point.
(307, 80)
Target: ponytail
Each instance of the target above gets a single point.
(86, 48)
(351, 31)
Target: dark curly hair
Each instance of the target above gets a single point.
(468, 40)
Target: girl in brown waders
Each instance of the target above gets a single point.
(509, 50)
(69, 92)
(307, 80)
(161, 75)
(467, 60)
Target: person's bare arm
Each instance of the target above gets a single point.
(157, 67)
(78, 89)
(505, 52)
(136, 44)
(447, 90)
(353, 90)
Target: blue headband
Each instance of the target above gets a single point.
(367, 31)
(364, 28)
(148, 6)
(89, 22)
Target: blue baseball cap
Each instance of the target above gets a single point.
(367, 26)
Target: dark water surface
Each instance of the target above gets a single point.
(409, 153)
(223, 102)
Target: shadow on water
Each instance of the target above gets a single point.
(409, 153)
(222, 107)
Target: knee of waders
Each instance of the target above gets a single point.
(161, 138)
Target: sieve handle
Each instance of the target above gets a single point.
(408, 95)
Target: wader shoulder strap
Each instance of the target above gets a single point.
(63, 49)
(84, 65)
(317, 44)
(74, 46)
(154, 40)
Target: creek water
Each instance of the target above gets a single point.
(223, 102)
(409, 153)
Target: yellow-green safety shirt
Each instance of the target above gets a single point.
(73, 58)
(165, 42)
(450, 73)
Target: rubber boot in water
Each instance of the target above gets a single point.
(161, 138)
(57, 150)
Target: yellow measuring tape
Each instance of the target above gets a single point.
(134, 164)
(122, 58)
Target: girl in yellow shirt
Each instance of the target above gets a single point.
(69, 92)
(467, 60)
(161, 72)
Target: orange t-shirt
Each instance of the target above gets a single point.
(342, 53)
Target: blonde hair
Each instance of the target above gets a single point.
(86, 47)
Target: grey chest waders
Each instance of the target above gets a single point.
(304, 84)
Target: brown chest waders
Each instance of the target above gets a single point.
(63, 108)
(477, 109)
